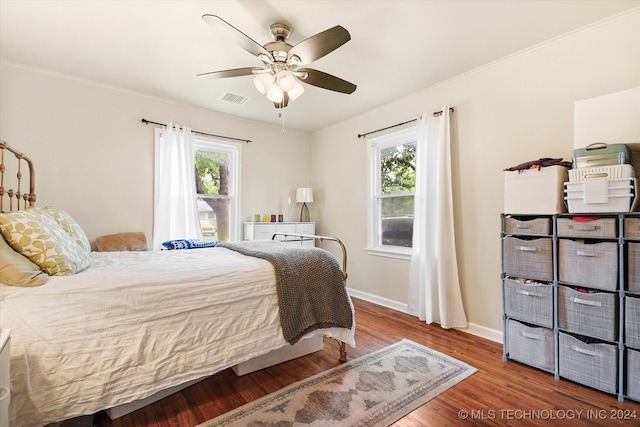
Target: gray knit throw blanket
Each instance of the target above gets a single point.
(311, 288)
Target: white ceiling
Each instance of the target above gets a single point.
(397, 47)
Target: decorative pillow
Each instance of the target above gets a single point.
(190, 244)
(130, 241)
(17, 270)
(69, 225)
(41, 239)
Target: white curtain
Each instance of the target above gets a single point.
(175, 214)
(434, 289)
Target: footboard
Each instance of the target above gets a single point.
(300, 237)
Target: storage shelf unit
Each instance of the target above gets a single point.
(571, 297)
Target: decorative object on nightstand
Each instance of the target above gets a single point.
(304, 196)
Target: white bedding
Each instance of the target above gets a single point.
(133, 324)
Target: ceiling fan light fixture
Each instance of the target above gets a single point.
(275, 94)
(295, 93)
(286, 80)
(263, 82)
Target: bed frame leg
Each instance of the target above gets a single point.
(343, 352)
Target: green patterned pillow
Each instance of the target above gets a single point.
(41, 239)
(17, 270)
(69, 225)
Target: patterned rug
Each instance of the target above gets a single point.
(374, 390)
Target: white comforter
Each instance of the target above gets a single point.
(133, 324)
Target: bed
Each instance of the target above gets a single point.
(134, 325)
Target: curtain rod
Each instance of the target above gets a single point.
(146, 122)
(435, 114)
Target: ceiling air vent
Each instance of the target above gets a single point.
(234, 98)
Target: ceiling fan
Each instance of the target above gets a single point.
(280, 75)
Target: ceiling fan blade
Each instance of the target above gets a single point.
(284, 103)
(240, 38)
(315, 47)
(327, 81)
(235, 72)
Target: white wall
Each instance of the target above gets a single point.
(94, 158)
(515, 110)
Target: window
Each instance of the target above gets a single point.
(217, 188)
(392, 165)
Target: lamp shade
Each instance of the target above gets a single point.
(275, 94)
(285, 80)
(263, 82)
(296, 91)
(304, 195)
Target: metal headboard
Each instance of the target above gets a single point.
(22, 199)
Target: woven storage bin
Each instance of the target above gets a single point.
(633, 375)
(593, 265)
(531, 303)
(528, 258)
(597, 228)
(633, 267)
(632, 228)
(527, 226)
(591, 314)
(594, 365)
(632, 322)
(533, 346)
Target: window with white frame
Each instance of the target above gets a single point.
(217, 178)
(392, 165)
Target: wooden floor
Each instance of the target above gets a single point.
(500, 393)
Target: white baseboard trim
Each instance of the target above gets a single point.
(473, 329)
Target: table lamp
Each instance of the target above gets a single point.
(304, 196)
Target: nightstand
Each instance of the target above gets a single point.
(5, 394)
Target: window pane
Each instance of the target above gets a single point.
(214, 186)
(398, 169)
(397, 221)
(214, 218)
(212, 172)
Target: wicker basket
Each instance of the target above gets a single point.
(529, 302)
(527, 226)
(598, 228)
(633, 267)
(592, 364)
(528, 258)
(592, 314)
(632, 228)
(633, 375)
(594, 265)
(533, 346)
(632, 322)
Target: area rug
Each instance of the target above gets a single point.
(374, 390)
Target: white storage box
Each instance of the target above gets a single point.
(611, 172)
(535, 191)
(601, 195)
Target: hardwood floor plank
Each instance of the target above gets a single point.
(499, 394)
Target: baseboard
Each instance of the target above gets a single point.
(473, 329)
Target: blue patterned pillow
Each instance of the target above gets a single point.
(190, 244)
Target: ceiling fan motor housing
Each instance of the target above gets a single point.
(280, 32)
